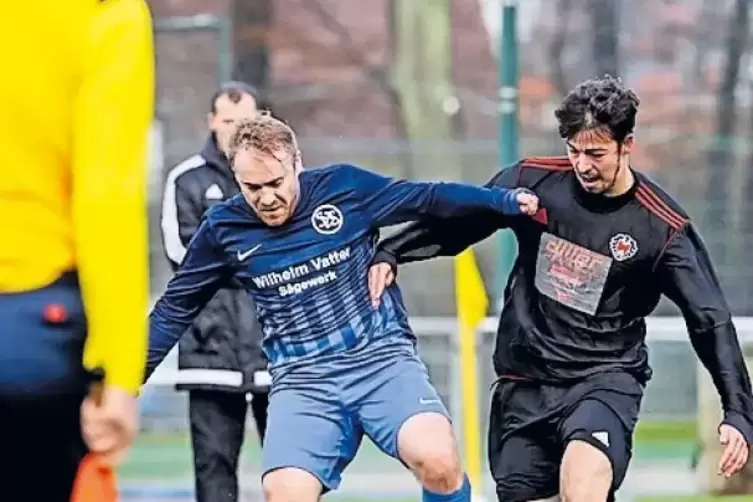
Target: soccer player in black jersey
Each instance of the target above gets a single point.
(570, 354)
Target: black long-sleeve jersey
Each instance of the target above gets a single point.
(590, 268)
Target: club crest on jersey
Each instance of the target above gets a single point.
(623, 247)
(327, 219)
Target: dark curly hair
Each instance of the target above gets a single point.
(603, 104)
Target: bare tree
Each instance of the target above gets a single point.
(345, 51)
(605, 32)
(378, 74)
(721, 157)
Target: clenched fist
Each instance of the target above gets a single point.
(528, 202)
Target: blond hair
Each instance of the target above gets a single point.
(263, 133)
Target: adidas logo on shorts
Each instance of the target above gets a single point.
(602, 437)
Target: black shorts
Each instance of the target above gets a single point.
(531, 424)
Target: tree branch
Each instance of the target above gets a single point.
(377, 74)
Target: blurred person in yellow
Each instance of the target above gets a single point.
(76, 102)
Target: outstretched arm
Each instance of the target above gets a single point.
(389, 201)
(202, 272)
(432, 237)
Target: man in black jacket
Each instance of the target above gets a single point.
(220, 359)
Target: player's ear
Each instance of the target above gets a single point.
(298, 163)
(627, 144)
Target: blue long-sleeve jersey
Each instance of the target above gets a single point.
(308, 278)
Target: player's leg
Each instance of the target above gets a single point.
(309, 441)
(402, 413)
(426, 444)
(259, 405)
(42, 384)
(217, 427)
(598, 437)
(523, 463)
(524, 469)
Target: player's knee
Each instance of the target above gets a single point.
(586, 473)
(427, 445)
(440, 472)
(291, 485)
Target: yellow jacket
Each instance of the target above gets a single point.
(76, 103)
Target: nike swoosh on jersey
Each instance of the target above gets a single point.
(242, 256)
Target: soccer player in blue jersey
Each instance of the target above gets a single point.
(301, 242)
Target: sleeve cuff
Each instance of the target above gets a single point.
(384, 256)
(740, 423)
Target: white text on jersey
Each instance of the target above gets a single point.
(295, 272)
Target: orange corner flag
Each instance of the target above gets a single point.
(95, 481)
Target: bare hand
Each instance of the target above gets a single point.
(735, 454)
(381, 277)
(528, 202)
(110, 427)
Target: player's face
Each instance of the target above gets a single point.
(269, 183)
(596, 158)
(227, 114)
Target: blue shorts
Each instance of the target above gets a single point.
(42, 336)
(318, 413)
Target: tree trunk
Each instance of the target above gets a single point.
(605, 31)
(422, 74)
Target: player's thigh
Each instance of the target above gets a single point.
(524, 461)
(308, 430)
(524, 468)
(603, 422)
(401, 411)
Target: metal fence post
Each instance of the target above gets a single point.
(508, 128)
